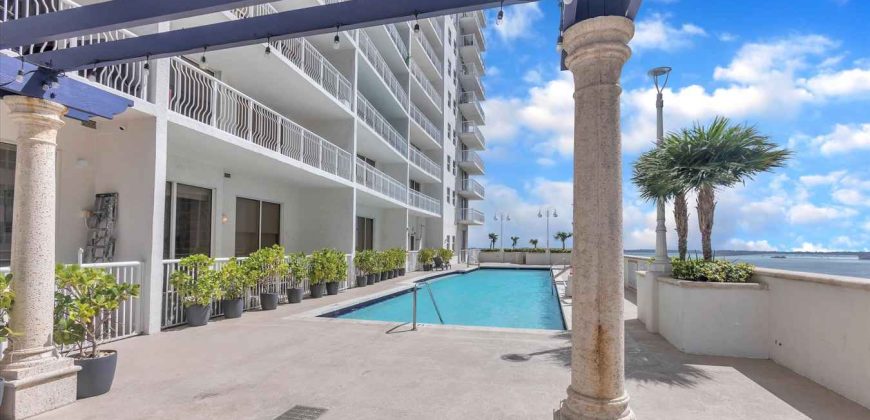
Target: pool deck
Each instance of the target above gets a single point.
(261, 365)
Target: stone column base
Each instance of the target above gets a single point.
(38, 389)
(581, 407)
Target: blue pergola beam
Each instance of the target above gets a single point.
(309, 21)
(106, 16)
(579, 10)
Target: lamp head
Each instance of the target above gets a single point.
(657, 73)
(540, 215)
(555, 214)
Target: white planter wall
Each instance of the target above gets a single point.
(540, 258)
(528, 258)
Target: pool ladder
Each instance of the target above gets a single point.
(431, 296)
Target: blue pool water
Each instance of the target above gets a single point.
(485, 297)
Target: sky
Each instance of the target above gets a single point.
(799, 70)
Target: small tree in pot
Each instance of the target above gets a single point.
(235, 281)
(401, 258)
(379, 266)
(298, 264)
(196, 284)
(84, 304)
(268, 266)
(363, 263)
(446, 254)
(323, 270)
(425, 257)
(338, 263)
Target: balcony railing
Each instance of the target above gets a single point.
(130, 78)
(377, 60)
(470, 98)
(424, 123)
(439, 27)
(423, 201)
(372, 178)
(430, 52)
(305, 56)
(477, 16)
(472, 186)
(393, 31)
(472, 129)
(470, 71)
(377, 122)
(471, 216)
(472, 157)
(424, 162)
(472, 40)
(201, 97)
(426, 84)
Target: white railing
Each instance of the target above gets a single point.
(430, 52)
(471, 215)
(471, 98)
(124, 321)
(469, 156)
(423, 121)
(380, 125)
(471, 71)
(472, 129)
(393, 31)
(472, 186)
(305, 56)
(130, 78)
(201, 97)
(424, 162)
(372, 178)
(477, 15)
(472, 40)
(172, 309)
(424, 202)
(439, 28)
(377, 61)
(469, 256)
(426, 84)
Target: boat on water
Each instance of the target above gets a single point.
(778, 256)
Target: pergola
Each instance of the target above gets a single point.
(595, 36)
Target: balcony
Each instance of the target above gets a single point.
(426, 88)
(374, 57)
(470, 48)
(470, 78)
(423, 165)
(201, 97)
(424, 131)
(387, 133)
(472, 22)
(470, 134)
(430, 64)
(471, 189)
(469, 217)
(377, 181)
(469, 104)
(471, 163)
(423, 202)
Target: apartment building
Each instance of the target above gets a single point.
(353, 140)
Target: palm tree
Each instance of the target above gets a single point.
(514, 240)
(562, 236)
(534, 243)
(492, 238)
(721, 154)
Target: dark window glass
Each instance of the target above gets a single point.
(7, 189)
(192, 220)
(247, 226)
(365, 232)
(270, 227)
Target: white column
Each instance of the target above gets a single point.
(662, 263)
(38, 378)
(596, 51)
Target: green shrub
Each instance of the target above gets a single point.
(714, 271)
(426, 256)
(445, 254)
(234, 280)
(401, 257)
(268, 266)
(327, 266)
(365, 261)
(7, 298)
(299, 267)
(195, 281)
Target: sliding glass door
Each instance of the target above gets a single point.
(258, 225)
(7, 183)
(187, 227)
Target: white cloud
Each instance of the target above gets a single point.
(810, 213)
(533, 76)
(851, 197)
(518, 21)
(727, 37)
(811, 247)
(851, 82)
(844, 138)
(827, 179)
(545, 162)
(656, 33)
(501, 118)
(866, 225)
(760, 245)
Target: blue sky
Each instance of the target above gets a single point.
(799, 70)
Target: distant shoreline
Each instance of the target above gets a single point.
(738, 252)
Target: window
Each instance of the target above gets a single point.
(449, 130)
(448, 194)
(449, 98)
(7, 188)
(448, 162)
(414, 185)
(365, 232)
(258, 225)
(454, 167)
(454, 242)
(187, 221)
(454, 197)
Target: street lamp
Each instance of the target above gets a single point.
(501, 218)
(662, 263)
(548, 212)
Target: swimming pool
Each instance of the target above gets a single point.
(508, 298)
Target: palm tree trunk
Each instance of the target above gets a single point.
(706, 208)
(681, 218)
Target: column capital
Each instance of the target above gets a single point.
(597, 48)
(35, 113)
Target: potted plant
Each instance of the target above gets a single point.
(446, 254)
(196, 284)
(234, 280)
(395, 261)
(267, 266)
(84, 303)
(338, 265)
(401, 258)
(387, 264)
(363, 263)
(426, 256)
(7, 298)
(298, 264)
(321, 272)
(378, 266)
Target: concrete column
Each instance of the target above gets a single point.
(596, 51)
(38, 378)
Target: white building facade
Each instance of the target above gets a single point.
(362, 139)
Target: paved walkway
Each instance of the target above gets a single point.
(261, 365)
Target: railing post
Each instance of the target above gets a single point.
(214, 102)
(250, 116)
(414, 309)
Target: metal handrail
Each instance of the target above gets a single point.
(414, 305)
(380, 125)
(430, 52)
(421, 78)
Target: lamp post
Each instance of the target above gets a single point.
(661, 263)
(501, 218)
(547, 213)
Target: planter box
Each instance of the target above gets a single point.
(717, 319)
(540, 258)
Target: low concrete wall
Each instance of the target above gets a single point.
(556, 258)
(529, 258)
(631, 265)
(496, 257)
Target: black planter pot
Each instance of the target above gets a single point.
(96, 375)
(427, 267)
(401, 271)
(370, 279)
(395, 272)
(197, 315)
(332, 288)
(377, 277)
(361, 281)
(2, 386)
(233, 308)
(317, 290)
(294, 294)
(268, 301)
